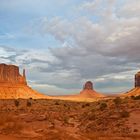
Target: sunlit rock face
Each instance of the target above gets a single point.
(136, 90)
(89, 92)
(137, 79)
(13, 85)
(88, 85)
(9, 74)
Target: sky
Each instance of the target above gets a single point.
(64, 43)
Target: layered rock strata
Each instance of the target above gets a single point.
(13, 85)
(89, 92)
(9, 74)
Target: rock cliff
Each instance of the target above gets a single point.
(137, 79)
(89, 92)
(9, 74)
(136, 90)
(88, 85)
(13, 85)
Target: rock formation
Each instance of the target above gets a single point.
(89, 92)
(137, 79)
(136, 90)
(14, 85)
(88, 85)
(9, 74)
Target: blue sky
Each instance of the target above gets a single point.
(62, 44)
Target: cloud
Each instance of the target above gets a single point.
(101, 45)
(90, 6)
(94, 49)
(130, 9)
(40, 72)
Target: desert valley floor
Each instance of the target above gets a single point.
(106, 119)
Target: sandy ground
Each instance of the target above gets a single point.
(66, 120)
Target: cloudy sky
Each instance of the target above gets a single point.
(63, 43)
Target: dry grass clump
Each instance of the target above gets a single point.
(16, 102)
(103, 106)
(29, 104)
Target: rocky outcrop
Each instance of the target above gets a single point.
(13, 85)
(136, 90)
(89, 92)
(9, 74)
(88, 85)
(137, 79)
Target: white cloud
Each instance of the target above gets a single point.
(97, 48)
(90, 6)
(103, 47)
(130, 9)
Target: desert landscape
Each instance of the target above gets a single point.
(69, 69)
(26, 114)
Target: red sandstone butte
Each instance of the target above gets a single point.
(13, 85)
(136, 90)
(9, 74)
(137, 79)
(89, 92)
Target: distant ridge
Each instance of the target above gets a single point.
(87, 94)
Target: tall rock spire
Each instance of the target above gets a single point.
(9, 74)
(24, 74)
(137, 79)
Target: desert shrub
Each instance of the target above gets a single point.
(29, 103)
(132, 97)
(57, 103)
(136, 97)
(85, 105)
(16, 102)
(66, 120)
(135, 130)
(117, 101)
(65, 105)
(103, 106)
(124, 114)
(91, 116)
